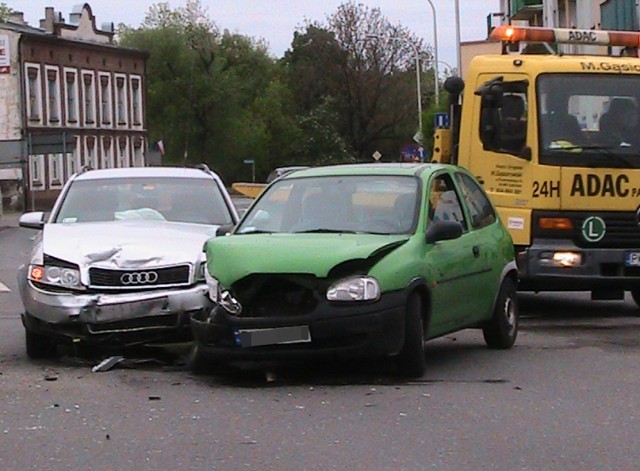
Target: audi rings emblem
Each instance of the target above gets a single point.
(139, 278)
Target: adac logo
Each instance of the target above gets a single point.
(593, 229)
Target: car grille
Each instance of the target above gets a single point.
(143, 278)
(623, 230)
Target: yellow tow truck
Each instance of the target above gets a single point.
(555, 140)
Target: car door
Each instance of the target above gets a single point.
(452, 263)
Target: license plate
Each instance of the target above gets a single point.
(632, 259)
(274, 336)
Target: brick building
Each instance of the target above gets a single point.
(69, 97)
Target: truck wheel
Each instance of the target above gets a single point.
(411, 362)
(501, 331)
(39, 346)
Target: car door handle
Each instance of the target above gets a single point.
(476, 251)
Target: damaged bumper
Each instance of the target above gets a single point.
(332, 329)
(130, 316)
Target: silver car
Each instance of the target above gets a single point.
(119, 261)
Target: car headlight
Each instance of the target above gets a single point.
(357, 288)
(221, 296)
(64, 277)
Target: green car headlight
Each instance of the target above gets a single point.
(356, 288)
(213, 284)
(221, 296)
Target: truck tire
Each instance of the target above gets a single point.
(38, 346)
(411, 362)
(501, 331)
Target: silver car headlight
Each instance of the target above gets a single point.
(356, 288)
(63, 277)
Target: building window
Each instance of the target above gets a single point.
(90, 156)
(138, 156)
(34, 98)
(107, 155)
(123, 157)
(105, 99)
(73, 159)
(136, 101)
(89, 99)
(53, 96)
(36, 170)
(56, 176)
(121, 100)
(71, 92)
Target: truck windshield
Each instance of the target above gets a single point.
(589, 120)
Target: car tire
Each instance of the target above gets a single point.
(411, 362)
(501, 331)
(196, 362)
(38, 346)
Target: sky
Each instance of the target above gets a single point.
(276, 20)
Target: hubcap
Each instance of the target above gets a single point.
(510, 314)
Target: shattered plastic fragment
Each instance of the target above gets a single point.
(107, 364)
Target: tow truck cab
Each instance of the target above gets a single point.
(555, 140)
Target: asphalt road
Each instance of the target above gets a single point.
(565, 398)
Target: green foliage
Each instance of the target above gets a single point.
(5, 11)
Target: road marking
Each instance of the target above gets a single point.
(3, 288)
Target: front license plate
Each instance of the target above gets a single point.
(275, 336)
(632, 259)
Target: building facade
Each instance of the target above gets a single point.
(69, 98)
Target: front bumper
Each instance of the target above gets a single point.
(123, 318)
(602, 268)
(336, 329)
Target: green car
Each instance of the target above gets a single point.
(359, 260)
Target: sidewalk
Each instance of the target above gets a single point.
(9, 219)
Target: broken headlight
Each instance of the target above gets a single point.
(221, 296)
(64, 277)
(356, 288)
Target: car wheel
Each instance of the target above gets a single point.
(196, 362)
(501, 331)
(411, 360)
(39, 346)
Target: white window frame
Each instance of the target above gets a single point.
(73, 159)
(124, 160)
(33, 93)
(107, 157)
(105, 102)
(122, 108)
(89, 108)
(54, 114)
(136, 99)
(71, 119)
(137, 154)
(36, 172)
(91, 152)
(56, 169)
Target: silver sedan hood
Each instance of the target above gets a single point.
(124, 244)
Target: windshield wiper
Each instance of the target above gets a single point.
(325, 231)
(255, 231)
(608, 151)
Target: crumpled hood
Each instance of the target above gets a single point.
(126, 244)
(232, 258)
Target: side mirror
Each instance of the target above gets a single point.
(443, 230)
(34, 220)
(224, 229)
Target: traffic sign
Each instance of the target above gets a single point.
(441, 120)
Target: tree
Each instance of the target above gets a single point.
(5, 11)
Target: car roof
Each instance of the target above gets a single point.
(140, 172)
(392, 168)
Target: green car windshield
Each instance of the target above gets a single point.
(343, 204)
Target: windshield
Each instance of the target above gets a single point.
(349, 204)
(190, 200)
(589, 120)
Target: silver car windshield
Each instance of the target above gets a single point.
(349, 204)
(190, 200)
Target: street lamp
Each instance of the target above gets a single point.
(417, 57)
(435, 47)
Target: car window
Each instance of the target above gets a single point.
(191, 200)
(480, 209)
(444, 204)
(365, 203)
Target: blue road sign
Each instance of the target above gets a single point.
(441, 120)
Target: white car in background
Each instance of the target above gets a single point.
(119, 261)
